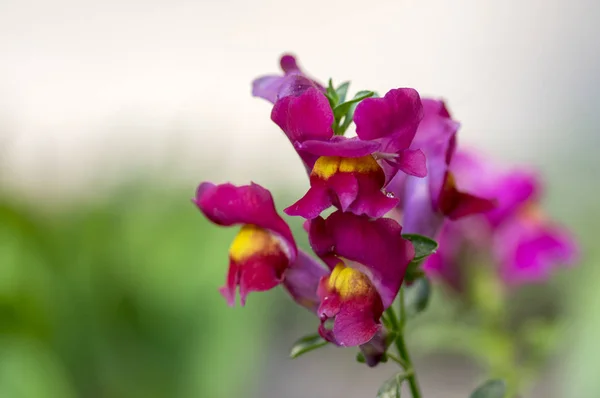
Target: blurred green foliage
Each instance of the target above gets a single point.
(118, 299)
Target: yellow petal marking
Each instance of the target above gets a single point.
(326, 166)
(252, 240)
(349, 282)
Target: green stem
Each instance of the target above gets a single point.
(411, 376)
(399, 361)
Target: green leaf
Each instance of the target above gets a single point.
(343, 109)
(490, 389)
(416, 296)
(342, 91)
(423, 245)
(360, 357)
(346, 110)
(332, 95)
(306, 344)
(391, 387)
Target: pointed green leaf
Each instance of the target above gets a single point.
(423, 245)
(342, 109)
(416, 296)
(390, 388)
(342, 91)
(346, 110)
(306, 344)
(332, 95)
(490, 389)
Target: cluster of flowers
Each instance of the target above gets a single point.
(401, 174)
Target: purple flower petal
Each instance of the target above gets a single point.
(374, 350)
(295, 85)
(420, 217)
(293, 81)
(484, 178)
(302, 280)
(267, 87)
(529, 250)
(436, 125)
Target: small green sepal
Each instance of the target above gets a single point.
(490, 389)
(416, 296)
(307, 344)
(391, 387)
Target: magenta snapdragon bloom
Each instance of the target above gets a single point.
(523, 244)
(272, 87)
(368, 259)
(350, 173)
(442, 194)
(263, 249)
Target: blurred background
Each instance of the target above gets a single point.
(112, 112)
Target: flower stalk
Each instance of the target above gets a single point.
(409, 369)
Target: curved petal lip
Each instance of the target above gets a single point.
(347, 148)
(305, 116)
(397, 115)
(227, 204)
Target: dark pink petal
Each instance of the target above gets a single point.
(395, 117)
(311, 204)
(354, 325)
(376, 245)
(226, 204)
(259, 274)
(330, 303)
(345, 186)
(302, 280)
(339, 146)
(455, 204)
(413, 163)
(370, 200)
(307, 116)
(233, 278)
(288, 63)
(355, 319)
(319, 237)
